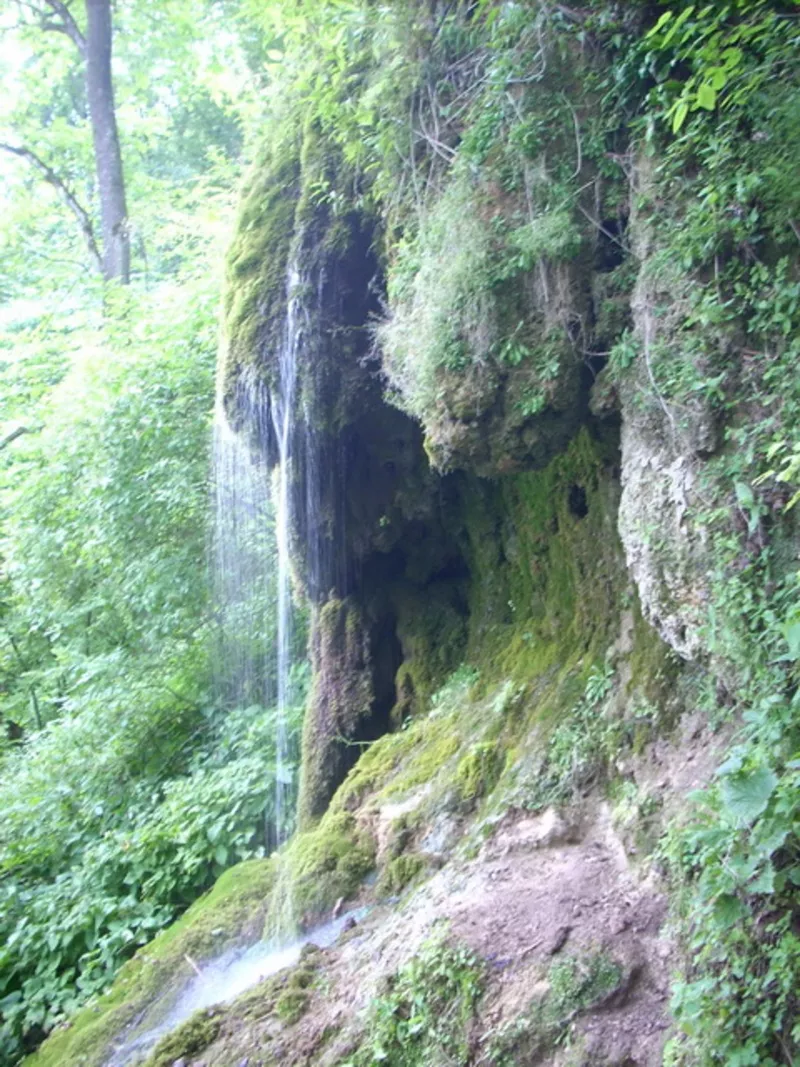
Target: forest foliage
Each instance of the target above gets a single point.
(125, 789)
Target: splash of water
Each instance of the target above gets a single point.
(220, 981)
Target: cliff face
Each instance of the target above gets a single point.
(544, 457)
(564, 422)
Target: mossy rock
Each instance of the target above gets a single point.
(255, 288)
(478, 771)
(340, 703)
(291, 1005)
(399, 873)
(188, 1040)
(328, 862)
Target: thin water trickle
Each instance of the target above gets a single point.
(252, 553)
(244, 569)
(282, 408)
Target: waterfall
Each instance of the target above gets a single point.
(282, 409)
(253, 523)
(243, 569)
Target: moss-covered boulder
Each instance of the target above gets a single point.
(340, 705)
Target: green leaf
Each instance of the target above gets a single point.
(764, 882)
(728, 910)
(706, 96)
(679, 116)
(747, 794)
(676, 25)
(665, 18)
(791, 632)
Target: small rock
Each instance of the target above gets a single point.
(559, 940)
(349, 924)
(179, 1063)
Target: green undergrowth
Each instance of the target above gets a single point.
(723, 136)
(574, 985)
(219, 919)
(424, 1016)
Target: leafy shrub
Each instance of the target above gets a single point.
(439, 292)
(425, 1015)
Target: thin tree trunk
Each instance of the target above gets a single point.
(108, 158)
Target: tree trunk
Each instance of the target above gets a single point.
(108, 158)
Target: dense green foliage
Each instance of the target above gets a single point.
(494, 145)
(730, 177)
(425, 1014)
(125, 789)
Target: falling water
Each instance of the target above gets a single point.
(252, 565)
(244, 567)
(282, 409)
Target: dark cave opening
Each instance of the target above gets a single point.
(610, 250)
(576, 502)
(387, 655)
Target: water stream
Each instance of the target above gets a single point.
(282, 409)
(221, 980)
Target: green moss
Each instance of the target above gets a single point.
(328, 861)
(282, 216)
(479, 770)
(189, 1039)
(224, 916)
(575, 985)
(547, 570)
(341, 702)
(654, 666)
(399, 873)
(291, 1005)
(255, 287)
(433, 633)
(433, 743)
(372, 770)
(428, 1013)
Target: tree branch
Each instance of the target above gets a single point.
(68, 26)
(66, 194)
(6, 441)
